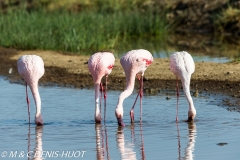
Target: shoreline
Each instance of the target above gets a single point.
(72, 71)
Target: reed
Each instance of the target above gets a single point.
(78, 32)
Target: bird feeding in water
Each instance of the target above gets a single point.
(133, 62)
(182, 65)
(31, 69)
(100, 64)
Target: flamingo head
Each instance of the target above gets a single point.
(38, 119)
(120, 122)
(98, 118)
(191, 115)
(119, 115)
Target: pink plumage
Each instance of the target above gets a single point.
(100, 64)
(31, 69)
(133, 62)
(182, 65)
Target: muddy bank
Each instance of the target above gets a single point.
(72, 71)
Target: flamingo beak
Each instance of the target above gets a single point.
(120, 121)
(190, 119)
(39, 124)
(39, 120)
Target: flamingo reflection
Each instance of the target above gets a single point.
(192, 129)
(127, 149)
(102, 142)
(38, 146)
(29, 140)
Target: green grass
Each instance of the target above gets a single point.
(76, 32)
(87, 26)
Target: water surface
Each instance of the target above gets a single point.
(219, 51)
(70, 132)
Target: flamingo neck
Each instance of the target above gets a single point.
(186, 89)
(97, 99)
(34, 88)
(130, 81)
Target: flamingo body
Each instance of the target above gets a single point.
(100, 64)
(133, 62)
(182, 65)
(31, 69)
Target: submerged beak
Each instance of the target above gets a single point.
(120, 121)
(39, 124)
(190, 119)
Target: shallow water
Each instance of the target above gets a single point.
(220, 52)
(196, 56)
(70, 132)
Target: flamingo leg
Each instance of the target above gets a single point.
(101, 90)
(28, 102)
(105, 100)
(139, 93)
(177, 99)
(177, 87)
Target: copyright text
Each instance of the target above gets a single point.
(43, 154)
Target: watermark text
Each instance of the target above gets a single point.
(43, 154)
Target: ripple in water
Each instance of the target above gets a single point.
(70, 130)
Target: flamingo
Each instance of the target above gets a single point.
(133, 62)
(31, 69)
(100, 64)
(182, 65)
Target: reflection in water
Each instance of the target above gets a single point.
(191, 136)
(29, 139)
(101, 139)
(98, 141)
(37, 154)
(142, 142)
(127, 150)
(191, 143)
(179, 143)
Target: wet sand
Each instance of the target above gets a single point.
(72, 71)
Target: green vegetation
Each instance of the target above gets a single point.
(226, 18)
(79, 32)
(87, 26)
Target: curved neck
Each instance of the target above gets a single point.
(186, 89)
(130, 81)
(34, 88)
(97, 101)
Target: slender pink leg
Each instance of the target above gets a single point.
(177, 87)
(177, 99)
(28, 102)
(131, 111)
(141, 95)
(105, 100)
(101, 90)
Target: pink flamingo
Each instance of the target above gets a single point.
(100, 64)
(182, 65)
(133, 62)
(31, 69)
